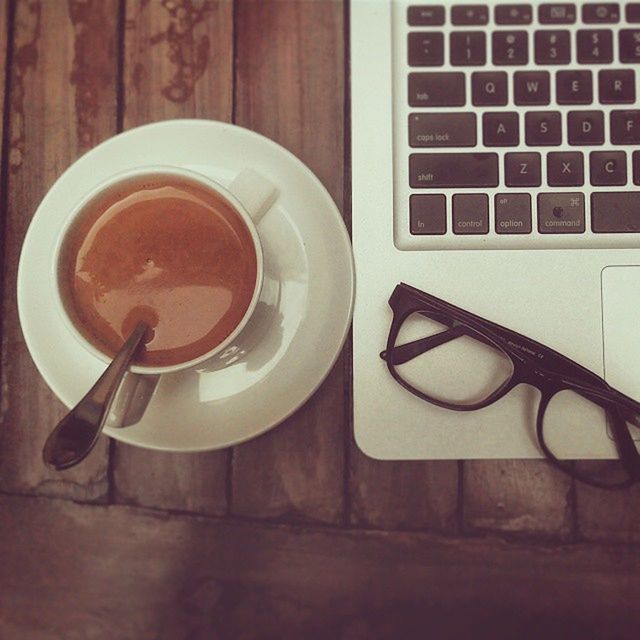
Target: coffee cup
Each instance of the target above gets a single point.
(248, 197)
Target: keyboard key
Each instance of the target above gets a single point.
(543, 128)
(602, 12)
(608, 168)
(426, 49)
(531, 87)
(557, 13)
(565, 169)
(585, 127)
(615, 212)
(553, 47)
(428, 214)
(595, 46)
(436, 89)
(513, 213)
(629, 45)
(489, 88)
(469, 14)
(513, 14)
(510, 47)
(468, 48)
(574, 87)
(442, 129)
(636, 167)
(500, 129)
(470, 213)
(561, 212)
(421, 16)
(617, 86)
(633, 12)
(625, 127)
(442, 170)
(522, 170)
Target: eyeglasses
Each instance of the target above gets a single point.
(457, 360)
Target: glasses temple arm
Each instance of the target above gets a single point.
(405, 352)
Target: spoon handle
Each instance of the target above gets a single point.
(78, 431)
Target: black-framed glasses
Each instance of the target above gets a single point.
(454, 359)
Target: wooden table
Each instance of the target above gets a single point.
(295, 534)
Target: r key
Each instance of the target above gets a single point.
(617, 86)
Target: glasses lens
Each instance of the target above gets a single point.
(575, 427)
(447, 365)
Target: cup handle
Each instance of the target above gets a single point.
(255, 193)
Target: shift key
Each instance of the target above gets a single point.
(434, 89)
(442, 170)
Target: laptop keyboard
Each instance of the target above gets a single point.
(522, 120)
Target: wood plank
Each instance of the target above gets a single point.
(290, 87)
(527, 497)
(4, 27)
(62, 102)
(116, 572)
(178, 63)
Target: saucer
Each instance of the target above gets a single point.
(293, 338)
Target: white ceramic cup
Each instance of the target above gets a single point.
(249, 194)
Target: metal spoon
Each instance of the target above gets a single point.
(77, 433)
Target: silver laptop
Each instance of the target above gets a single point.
(495, 165)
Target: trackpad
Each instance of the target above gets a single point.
(621, 328)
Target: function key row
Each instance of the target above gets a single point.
(611, 212)
(514, 14)
(530, 88)
(509, 48)
(522, 169)
(502, 129)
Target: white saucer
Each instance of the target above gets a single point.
(296, 334)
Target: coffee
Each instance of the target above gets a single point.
(166, 250)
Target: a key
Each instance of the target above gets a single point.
(625, 127)
(552, 47)
(426, 49)
(543, 128)
(470, 213)
(585, 127)
(557, 13)
(617, 86)
(500, 129)
(442, 129)
(513, 213)
(428, 214)
(595, 46)
(629, 42)
(442, 170)
(565, 169)
(608, 168)
(513, 14)
(531, 87)
(522, 169)
(615, 212)
(510, 47)
(601, 13)
(436, 89)
(561, 212)
(423, 16)
(468, 48)
(469, 14)
(489, 88)
(574, 87)
(636, 167)
(633, 12)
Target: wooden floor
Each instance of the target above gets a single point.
(295, 534)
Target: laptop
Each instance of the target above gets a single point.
(495, 165)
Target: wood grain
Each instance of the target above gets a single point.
(178, 63)
(79, 571)
(4, 28)
(527, 497)
(290, 87)
(62, 102)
